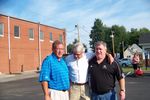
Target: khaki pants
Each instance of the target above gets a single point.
(59, 95)
(79, 92)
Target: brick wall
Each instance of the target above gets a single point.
(25, 52)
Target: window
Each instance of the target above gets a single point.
(1, 29)
(60, 38)
(16, 31)
(41, 35)
(51, 36)
(31, 34)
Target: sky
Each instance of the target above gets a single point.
(68, 13)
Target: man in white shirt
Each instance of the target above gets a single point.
(78, 68)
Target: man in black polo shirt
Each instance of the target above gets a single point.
(103, 75)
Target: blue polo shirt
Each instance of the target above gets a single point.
(55, 73)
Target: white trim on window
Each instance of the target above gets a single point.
(2, 35)
(51, 41)
(31, 39)
(40, 36)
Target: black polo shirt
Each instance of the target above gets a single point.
(103, 75)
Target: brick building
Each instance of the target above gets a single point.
(24, 44)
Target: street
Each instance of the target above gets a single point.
(137, 88)
(29, 89)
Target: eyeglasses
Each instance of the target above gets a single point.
(78, 54)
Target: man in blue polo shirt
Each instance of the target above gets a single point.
(54, 75)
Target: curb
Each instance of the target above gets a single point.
(18, 76)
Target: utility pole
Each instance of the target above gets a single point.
(113, 47)
(76, 26)
(123, 48)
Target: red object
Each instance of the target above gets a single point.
(139, 72)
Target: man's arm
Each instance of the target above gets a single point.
(44, 77)
(45, 90)
(122, 88)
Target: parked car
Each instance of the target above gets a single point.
(125, 62)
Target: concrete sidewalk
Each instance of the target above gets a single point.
(18, 76)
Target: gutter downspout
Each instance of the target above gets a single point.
(64, 34)
(9, 53)
(39, 44)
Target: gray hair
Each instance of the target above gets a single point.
(101, 43)
(78, 47)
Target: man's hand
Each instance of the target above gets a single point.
(47, 97)
(110, 58)
(122, 95)
(46, 90)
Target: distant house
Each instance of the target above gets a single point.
(144, 41)
(129, 52)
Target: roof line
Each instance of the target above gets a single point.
(30, 21)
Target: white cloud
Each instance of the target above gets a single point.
(66, 14)
(138, 20)
(41, 10)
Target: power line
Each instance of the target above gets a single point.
(71, 31)
(84, 30)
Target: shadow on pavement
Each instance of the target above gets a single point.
(130, 74)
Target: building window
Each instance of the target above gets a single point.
(51, 36)
(16, 31)
(41, 35)
(60, 38)
(1, 29)
(31, 34)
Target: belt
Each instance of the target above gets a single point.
(63, 90)
(79, 83)
(103, 92)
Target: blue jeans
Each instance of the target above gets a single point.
(111, 95)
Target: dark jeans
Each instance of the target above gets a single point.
(111, 95)
(135, 66)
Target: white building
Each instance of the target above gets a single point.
(129, 52)
(144, 41)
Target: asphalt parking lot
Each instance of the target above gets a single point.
(137, 88)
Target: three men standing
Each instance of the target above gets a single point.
(55, 75)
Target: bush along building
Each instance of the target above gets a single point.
(24, 44)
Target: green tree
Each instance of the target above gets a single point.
(101, 32)
(119, 37)
(69, 48)
(133, 36)
(97, 33)
(144, 31)
(107, 38)
(122, 38)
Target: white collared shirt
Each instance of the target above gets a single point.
(78, 68)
